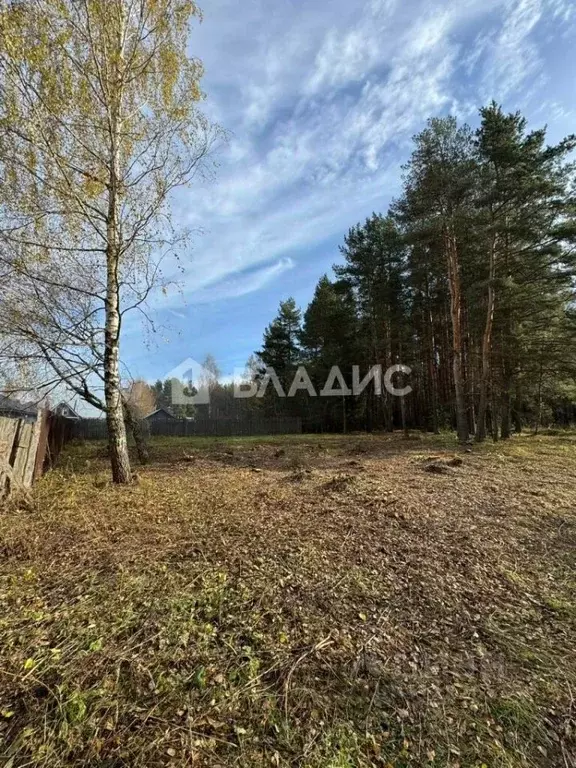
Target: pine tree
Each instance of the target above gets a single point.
(469, 280)
(329, 339)
(374, 272)
(525, 208)
(440, 186)
(281, 348)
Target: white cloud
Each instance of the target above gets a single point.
(241, 285)
(512, 57)
(319, 98)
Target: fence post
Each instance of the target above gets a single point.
(43, 427)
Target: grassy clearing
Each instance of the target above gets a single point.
(316, 602)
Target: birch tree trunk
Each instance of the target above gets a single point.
(117, 443)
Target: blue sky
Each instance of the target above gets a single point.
(321, 99)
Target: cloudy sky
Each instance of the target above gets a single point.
(321, 99)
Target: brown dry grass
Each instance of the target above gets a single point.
(316, 602)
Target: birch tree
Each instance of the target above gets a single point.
(99, 123)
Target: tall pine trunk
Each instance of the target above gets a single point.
(432, 361)
(507, 385)
(517, 409)
(506, 428)
(469, 379)
(508, 352)
(456, 319)
(493, 421)
(486, 348)
(388, 398)
(539, 395)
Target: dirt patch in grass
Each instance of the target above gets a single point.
(316, 602)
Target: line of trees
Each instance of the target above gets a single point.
(468, 279)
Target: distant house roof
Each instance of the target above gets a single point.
(11, 407)
(63, 409)
(162, 412)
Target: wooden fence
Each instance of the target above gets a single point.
(95, 429)
(28, 448)
(273, 425)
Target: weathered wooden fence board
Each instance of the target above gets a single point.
(8, 429)
(21, 450)
(43, 435)
(27, 448)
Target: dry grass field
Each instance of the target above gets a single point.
(310, 601)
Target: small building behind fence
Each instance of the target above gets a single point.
(14, 409)
(160, 415)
